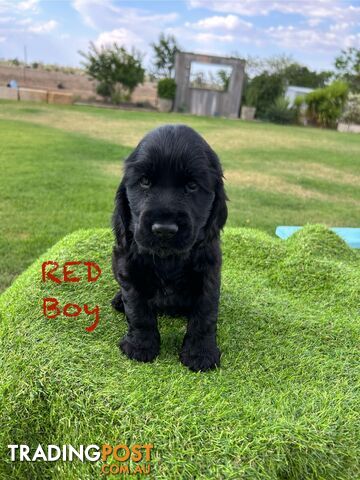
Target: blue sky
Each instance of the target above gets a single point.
(311, 31)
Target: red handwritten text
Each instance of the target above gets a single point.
(51, 307)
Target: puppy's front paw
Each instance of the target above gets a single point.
(142, 351)
(200, 358)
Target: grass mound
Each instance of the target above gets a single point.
(284, 404)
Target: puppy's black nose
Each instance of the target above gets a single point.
(164, 230)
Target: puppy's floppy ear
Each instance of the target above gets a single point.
(122, 216)
(218, 214)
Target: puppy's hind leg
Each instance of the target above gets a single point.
(117, 302)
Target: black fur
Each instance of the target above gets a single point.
(172, 177)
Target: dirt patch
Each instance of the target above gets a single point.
(271, 183)
(17, 236)
(319, 171)
(118, 131)
(259, 135)
(113, 169)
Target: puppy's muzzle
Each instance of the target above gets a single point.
(164, 231)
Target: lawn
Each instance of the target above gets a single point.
(284, 404)
(60, 166)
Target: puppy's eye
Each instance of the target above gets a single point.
(145, 182)
(191, 186)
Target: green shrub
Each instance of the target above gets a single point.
(114, 67)
(299, 109)
(280, 112)
(352, 110)
(116, 94)
(120, 95)
(261, 91)
(103, 89)
(299, 101)
(325, 105)
(166, 88)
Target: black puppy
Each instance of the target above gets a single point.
(170, 207)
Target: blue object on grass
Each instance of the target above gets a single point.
(13, 84)
(350, 235)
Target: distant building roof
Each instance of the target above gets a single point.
(291, 88)
(293, 91)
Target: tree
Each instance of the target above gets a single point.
(224, 79)
(278, 63)
(117, 71)
(255, 66)
(284, 65)
(301, 76)
(347, 65)
(262, 91)
(164, 53)
(352, 110)
(198, 80)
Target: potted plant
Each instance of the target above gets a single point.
(248, 102)
(166, 89)
(248, 112)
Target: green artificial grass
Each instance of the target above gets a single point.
(283, 405)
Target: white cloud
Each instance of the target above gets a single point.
(121, 36)
(322, 9)
(244, 7)
(10, 7)
(329, 25)
(25, 21)
(131, 27)
(84, 8)
(314, 22)
(6, 19)
(28, 5)
(320, 28)
(103, 15)
(352, 41)
(306, 39)
(341, 26)
(229, 22)
(212, 37)
(44, 27)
